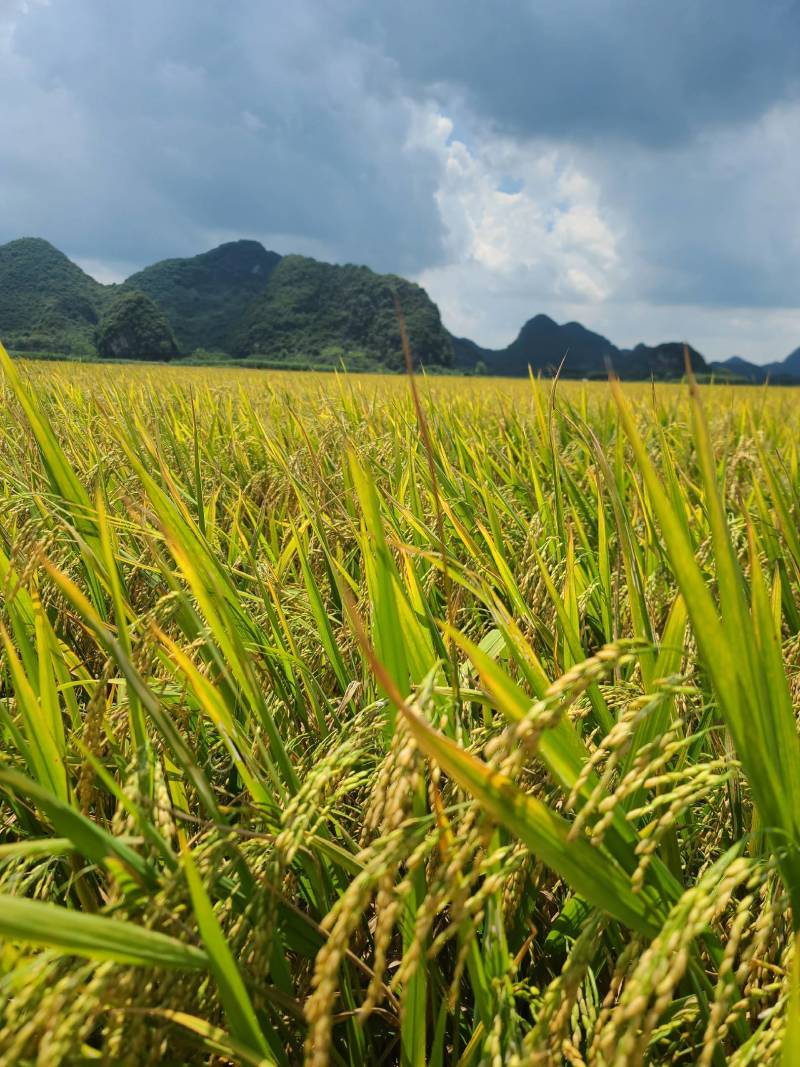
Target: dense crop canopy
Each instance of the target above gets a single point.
(331, 733)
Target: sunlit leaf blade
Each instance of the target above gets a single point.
(98, 937)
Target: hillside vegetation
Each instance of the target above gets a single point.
(47, 303)
(205, 297)
(323, 743)
(238, 300)
(241, 301)
(329, 313)
(134, 327)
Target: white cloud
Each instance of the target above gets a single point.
(548, 242)
(691, 242)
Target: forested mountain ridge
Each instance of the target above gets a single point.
(205, 297)
(46, 301)
(311, 308)
(237, 300)
(241, 301)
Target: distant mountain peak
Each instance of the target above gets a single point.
(539, 325)
(43, 252)
(40, 242)
(205, 297)
(542, 344)
(242, 243)
(247, 256)
(46, 300)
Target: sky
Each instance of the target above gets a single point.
(631, 164)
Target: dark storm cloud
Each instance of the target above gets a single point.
(648, 71)
(716, 220)
(146, 126)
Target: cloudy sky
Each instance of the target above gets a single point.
(633, 164)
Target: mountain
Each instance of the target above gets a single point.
(316, 311)
(543, 344)
(241, 300)
(236, 300)
(779, 372)
(205, 297)
(244, 301)
(47, 303)
(467, 355)
(666, 360)
(740, 368)
(791, 365)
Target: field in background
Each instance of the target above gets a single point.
(454, 738)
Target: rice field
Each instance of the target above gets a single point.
(340, 730)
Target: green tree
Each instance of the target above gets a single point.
(134, 327)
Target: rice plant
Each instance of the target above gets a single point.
(339, 729)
